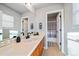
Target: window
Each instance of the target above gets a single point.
(13, 33)
(0, 35)
(76, 13)
(7, 20)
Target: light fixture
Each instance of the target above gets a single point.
(29, 7)
(28, 4)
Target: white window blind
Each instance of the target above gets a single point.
(7, 20)
(76, 13)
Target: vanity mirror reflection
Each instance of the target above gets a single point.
(40, 25)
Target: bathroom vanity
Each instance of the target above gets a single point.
(32, 46)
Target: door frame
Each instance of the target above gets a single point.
(62, 21)
(59, 30)
(22, 18)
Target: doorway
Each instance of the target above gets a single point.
(52, 29)
(25, 25)
(55, 29)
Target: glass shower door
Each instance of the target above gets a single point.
(51, 33)
(51, 29)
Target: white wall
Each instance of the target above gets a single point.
(75, 22)
(40, 16)
(67, 23)
(16, 16)
(31, 19)
(0, 19)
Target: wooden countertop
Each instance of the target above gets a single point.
(24, 48)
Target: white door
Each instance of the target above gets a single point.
(59, 38)
(25, 25)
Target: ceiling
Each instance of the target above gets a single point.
(18, 7)
(21, 8)
(53, 15)
(41, 5)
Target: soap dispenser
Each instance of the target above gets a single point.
(18, 39)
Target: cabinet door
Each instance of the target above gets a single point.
(39, 50)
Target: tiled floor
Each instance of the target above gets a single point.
(53, 51)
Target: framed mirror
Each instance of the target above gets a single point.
(40, 25)
(32, 26)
